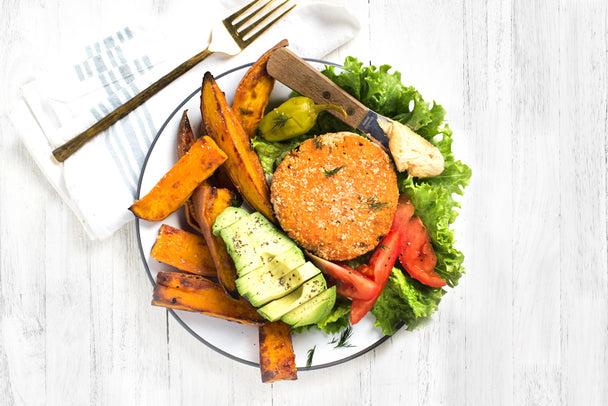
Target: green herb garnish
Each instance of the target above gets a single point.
(243, 111)
(318, 143)
(310, 354)
(281, 120)
(372, 204)
(332, 172)
(342, 341)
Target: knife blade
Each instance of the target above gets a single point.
(409, 150)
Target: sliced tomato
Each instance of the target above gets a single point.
(403, 214)
(417, 254)
(380, 265)
(365, 270)
(349, 282)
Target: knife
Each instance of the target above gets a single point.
(408, 149)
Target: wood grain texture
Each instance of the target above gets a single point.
(525, 86)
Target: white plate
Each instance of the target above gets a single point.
(234, 340)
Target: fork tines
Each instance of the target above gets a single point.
(240, 35)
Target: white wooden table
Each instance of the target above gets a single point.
(525, 86)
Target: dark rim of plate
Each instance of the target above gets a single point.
(143, 256)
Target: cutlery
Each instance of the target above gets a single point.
(229, 36)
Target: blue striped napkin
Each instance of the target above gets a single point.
(99, 181)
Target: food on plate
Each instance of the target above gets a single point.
(185, 251)
(313, 310)
(273, 273)
(242, 165)
(379, 268)
(185, 136)
(185, 140)
(208, 203)
(350, 283)
(253, 242)
(280, 276)
(336, 195)
(404, 299)
(277, 308)
(294, 117)
(251, 96)
(172, 191)
(376, 241)
(364, 285)
(197, 294)
(277, 359)
(411, 152)
(416, 250)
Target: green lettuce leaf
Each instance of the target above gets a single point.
(382, 92)
(405, 300)
(272, 153)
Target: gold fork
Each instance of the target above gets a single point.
(228, 37)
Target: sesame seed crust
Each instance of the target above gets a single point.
(336, 195)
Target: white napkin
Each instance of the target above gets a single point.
(99, 182)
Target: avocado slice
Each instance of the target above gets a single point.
(312, 311)
(227, 217)
(272, 270)
(253, 241)
(274, 310)
(274, 280)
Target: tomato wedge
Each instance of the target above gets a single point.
(349, 282)
(403, 214)
(417, 254)
(380, 265)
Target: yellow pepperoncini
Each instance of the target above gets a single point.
(294, 117)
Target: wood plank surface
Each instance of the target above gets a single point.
(525, 85)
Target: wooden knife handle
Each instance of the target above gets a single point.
(299, 75)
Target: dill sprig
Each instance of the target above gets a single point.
(372, 204)
(332, 172)
(281, 120)
(318, 143)
(309, 356)
(342, 341)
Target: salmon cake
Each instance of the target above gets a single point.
(336, 195)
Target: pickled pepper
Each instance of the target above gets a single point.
(294, 117)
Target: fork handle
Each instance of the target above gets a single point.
(66, 150)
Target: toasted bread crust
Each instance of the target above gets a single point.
(336, 195)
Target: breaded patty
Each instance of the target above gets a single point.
(336, 195)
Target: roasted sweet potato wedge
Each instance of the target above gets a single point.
(185, 135)
(251, 97)
(277, 359)
(185, 139)
(170, 193)
(195, 293)
(186, 251)
(243, 165)
(208, 203)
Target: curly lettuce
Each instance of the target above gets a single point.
(406, 301)
(272, 153)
